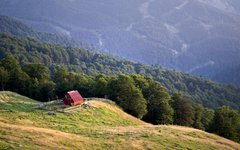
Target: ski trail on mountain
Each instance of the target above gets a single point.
(144, 9)
(129, 28)
(100, 40)
(182, 5)
(223, 5)
(202, 65)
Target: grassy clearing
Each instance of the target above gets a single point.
(103, 125)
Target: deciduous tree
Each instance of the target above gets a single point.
(3, 77)
(183, 110)
(226, 123)
(128, 96)
(159, 109)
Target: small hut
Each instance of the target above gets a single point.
(73, 98)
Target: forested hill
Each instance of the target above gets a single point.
(202, 91)
(20, 29)
(196, 36)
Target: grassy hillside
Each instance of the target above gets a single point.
(100, 125)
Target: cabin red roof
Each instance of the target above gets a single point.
(73, 98)
(75, 95)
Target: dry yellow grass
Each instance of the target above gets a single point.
(130, 138)
(24, 128)
(115, 109)
(4, 98)
(207, 138)
(172, 132)
(42, 138)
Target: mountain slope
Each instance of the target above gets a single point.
(196, 36)
(71, 131)
(229, 75)
(205, 92)
(20, 29)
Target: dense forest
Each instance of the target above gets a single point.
(21, 29)
(200, 90)
(200, 37)
(138, 95)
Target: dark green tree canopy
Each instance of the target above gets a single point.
(10, 63)
(159, 109)
(38, 71)
(226, 123)
(183, 110)
(128, 96)
(4, 75)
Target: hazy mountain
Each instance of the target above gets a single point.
(196, 36)
(230, 75)
(17, 28)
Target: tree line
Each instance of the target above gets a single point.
(138, 95)
(202, 91)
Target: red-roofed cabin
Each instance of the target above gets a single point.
(73, 98)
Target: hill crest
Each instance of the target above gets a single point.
(70, 130)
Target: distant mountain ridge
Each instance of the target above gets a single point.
(201, 37)
(230, 75)
(20, 29)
